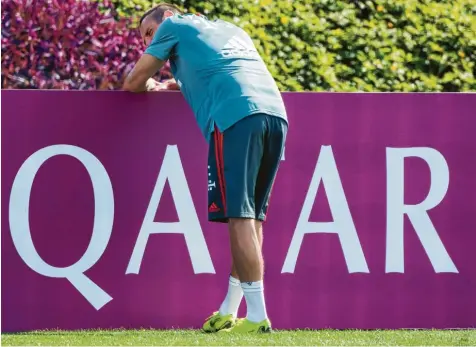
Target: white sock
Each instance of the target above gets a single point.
(254, 296)
(233, 298)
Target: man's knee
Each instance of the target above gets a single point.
(243, 232)
(241, 225)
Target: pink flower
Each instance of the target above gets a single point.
(46, 45)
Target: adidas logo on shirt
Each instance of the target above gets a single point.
(236, 47)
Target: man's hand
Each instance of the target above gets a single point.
(138, 79)
(153, 85)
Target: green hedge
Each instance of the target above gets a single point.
(344, 45)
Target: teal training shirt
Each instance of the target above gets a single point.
(218, 69)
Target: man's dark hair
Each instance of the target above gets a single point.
(158, 11)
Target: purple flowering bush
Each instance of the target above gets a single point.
(67, 44)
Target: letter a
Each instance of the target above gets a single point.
(188, 224)
(343, 225)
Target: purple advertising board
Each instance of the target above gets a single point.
(372, 221)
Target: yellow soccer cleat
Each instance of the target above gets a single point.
(217, 322)
(243, 326)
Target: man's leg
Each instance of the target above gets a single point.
(244, 151)
(248, 260)
(217, 206)
(226, 316)
(234, 295)
(273, 149)
(259, 235)
(245, 249)
(241, 156)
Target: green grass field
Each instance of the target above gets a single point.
(278, 338)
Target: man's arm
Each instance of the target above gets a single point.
(138, 79)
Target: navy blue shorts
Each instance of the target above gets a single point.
(242, 166)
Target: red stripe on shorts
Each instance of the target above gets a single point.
(220, 166)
